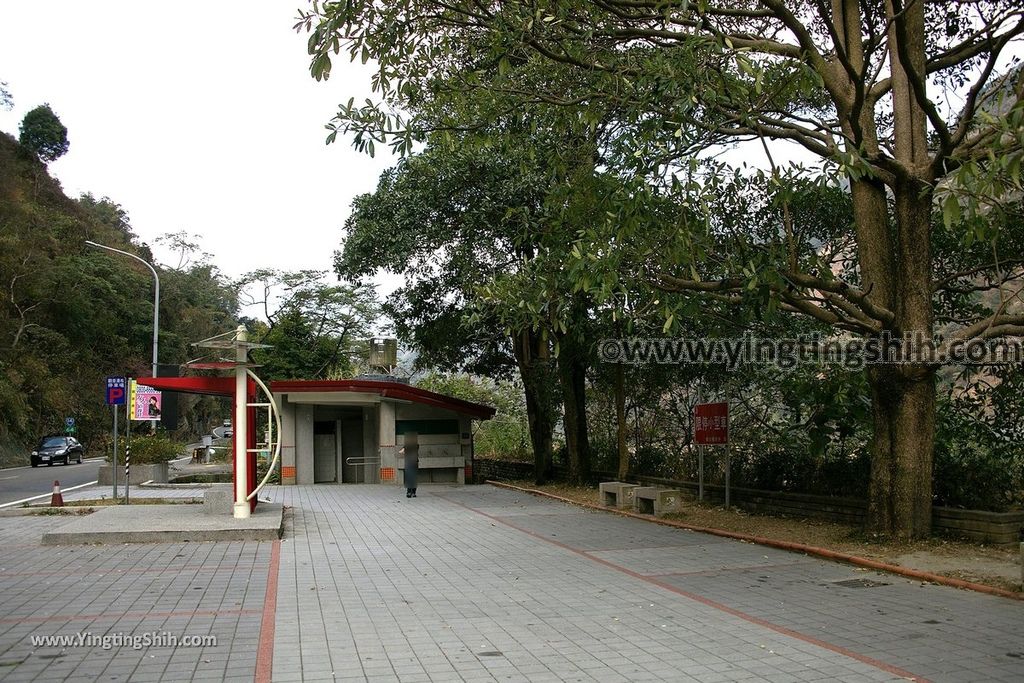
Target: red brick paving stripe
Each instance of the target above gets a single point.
(787, 545)
(265, 651)
(699, 598)
(131, 615)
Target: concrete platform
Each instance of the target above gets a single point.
(167, 524)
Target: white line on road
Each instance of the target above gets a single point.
(25, 500)
(28, 467)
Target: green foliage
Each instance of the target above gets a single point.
(506, 436)
(151, 450)
(317, 330)
(979, 442)
(71, 316)
(43, 134)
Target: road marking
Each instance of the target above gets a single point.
(6, 478)
(28, 467)
(44, 495)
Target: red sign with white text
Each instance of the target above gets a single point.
(711, 424)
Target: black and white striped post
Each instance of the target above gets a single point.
(127, 469)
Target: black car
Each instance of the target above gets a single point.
(51, 449)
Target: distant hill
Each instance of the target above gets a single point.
(67, 317)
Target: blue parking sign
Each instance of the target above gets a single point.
(117, 390)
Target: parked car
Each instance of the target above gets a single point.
(51, 449)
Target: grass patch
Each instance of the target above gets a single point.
(56, 512)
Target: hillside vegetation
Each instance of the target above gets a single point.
(70, 316)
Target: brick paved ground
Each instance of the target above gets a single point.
(484, 584)
(193, 589)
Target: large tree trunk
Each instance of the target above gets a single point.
(896, 271)
(572, 370)
(903, 411)
(534, 361)
(620, 421)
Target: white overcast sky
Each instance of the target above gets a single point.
(195, 116)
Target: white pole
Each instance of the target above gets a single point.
(113, 463)
(156, 301)
(728, 466)
(700, 473)
(241, 509)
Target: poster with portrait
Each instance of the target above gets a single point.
(146, 402)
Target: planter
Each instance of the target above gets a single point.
(139, 474)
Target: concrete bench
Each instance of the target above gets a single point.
(616, 494)
(652, 500)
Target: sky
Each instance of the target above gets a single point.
(194, 116)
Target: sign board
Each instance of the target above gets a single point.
(69, 425)
(711, 424)
(117, 390)
(145, 403)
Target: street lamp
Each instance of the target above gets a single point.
(156, 295)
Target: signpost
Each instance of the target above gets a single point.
(711, 428)
(69, 426)
(116, 393)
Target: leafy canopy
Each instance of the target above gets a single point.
(43, 134)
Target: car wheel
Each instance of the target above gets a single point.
(79, 461)
(35, 464)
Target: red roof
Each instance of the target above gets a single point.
(395, 390)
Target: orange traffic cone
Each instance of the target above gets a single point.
(56, 500)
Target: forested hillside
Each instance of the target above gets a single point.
(69, 315)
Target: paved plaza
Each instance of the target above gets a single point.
(482, 584)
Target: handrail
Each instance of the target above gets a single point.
(272, 407)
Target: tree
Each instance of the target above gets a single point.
(450, 221)
(312, 326)
(887, 94)
(6, 99)
(43, 134)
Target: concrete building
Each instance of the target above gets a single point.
(350, 431)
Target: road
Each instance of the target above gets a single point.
(19, 483)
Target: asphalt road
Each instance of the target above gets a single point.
(19, 483)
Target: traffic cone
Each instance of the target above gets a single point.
(56, 500)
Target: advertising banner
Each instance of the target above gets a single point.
(145, 402)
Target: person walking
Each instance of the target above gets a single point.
(411, 450)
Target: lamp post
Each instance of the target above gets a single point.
(156, 296)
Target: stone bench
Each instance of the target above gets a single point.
(652, 500)
(616, 494)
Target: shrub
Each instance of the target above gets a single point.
(150, 450)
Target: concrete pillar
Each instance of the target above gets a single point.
(304, 444)
(466, 443)
(287, 437)
(386, 441)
